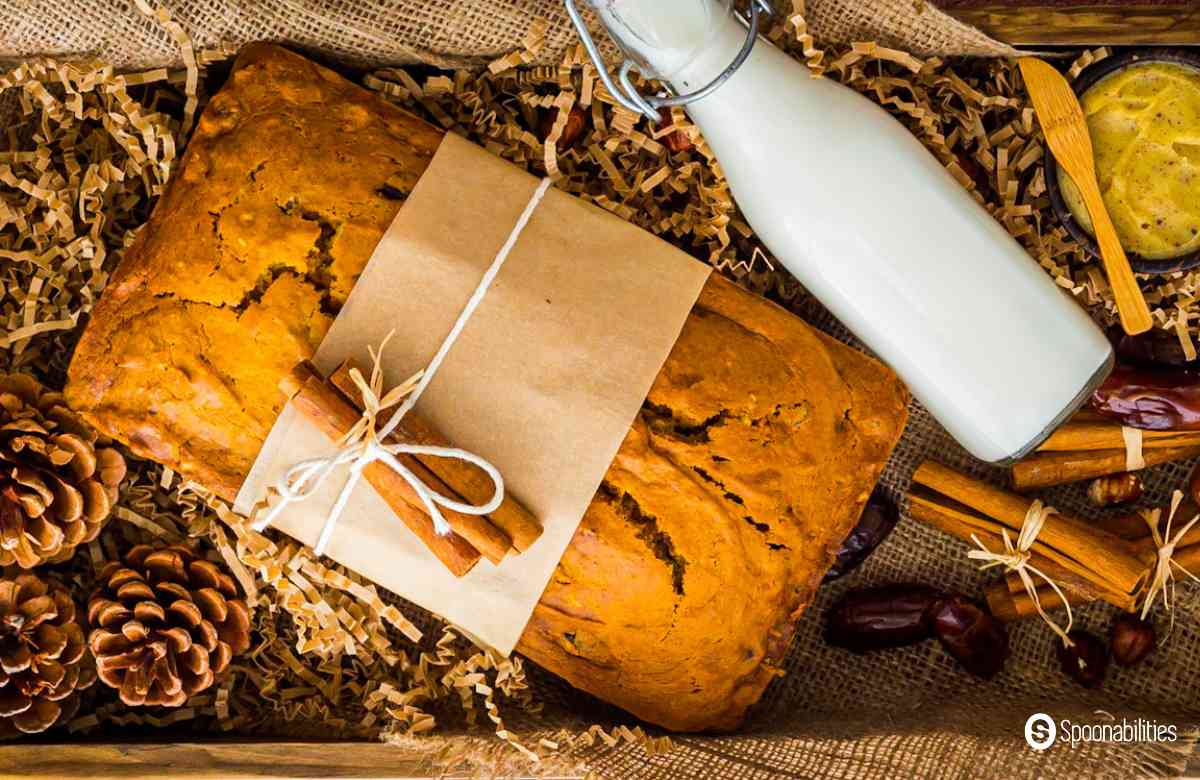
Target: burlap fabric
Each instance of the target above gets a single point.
(903, 713)
(439, 32)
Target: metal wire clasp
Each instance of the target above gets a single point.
(627, 95)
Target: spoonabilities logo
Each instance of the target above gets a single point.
(1040, 731)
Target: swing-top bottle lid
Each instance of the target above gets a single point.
(659, 37)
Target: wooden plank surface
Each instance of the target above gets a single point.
(1084, 25)
(212, 761)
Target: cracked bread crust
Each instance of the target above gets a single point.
(751, 459)
(292, 176)
(757, 447)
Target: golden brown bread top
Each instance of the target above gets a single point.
(291, 178)
(759, 443)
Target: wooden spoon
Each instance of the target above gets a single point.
(1066, 131)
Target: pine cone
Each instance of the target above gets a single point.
(166, 624)
(56, 486)
(41, 645)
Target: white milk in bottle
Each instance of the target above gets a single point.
(873, 225)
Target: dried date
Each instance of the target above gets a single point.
(908, 613)
(882, 617)
(977, 640)
(879, 517)
(1151, 399)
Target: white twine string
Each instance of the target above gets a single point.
(1016, 559)
(1162, 580)
(363, 444)
(1134, 460)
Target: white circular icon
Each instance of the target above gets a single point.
(1040, 731)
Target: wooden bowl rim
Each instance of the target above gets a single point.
(1086, 79)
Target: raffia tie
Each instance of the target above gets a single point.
(1162, 579)
(1015, 558)
(1134, 459)
(363, 445)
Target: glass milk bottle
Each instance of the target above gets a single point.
(873, 225)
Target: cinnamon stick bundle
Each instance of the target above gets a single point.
(1008, 606)
(1098, 556)
(325, 408)
(463, 478)
(969, 526)
(1008, 600)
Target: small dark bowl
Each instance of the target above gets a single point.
(1085, 81)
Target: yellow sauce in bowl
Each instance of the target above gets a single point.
(1144, 121)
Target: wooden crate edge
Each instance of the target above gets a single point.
(223, 760)
(1086, 25)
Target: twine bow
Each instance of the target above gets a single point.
(363, 445)
(1016, 559)
(1162, 579)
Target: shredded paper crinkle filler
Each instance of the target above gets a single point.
(332, 661)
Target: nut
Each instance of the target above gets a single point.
(1131, 639)
(1115, 489)
(678, 141)
(1086, 660)
(577, 120)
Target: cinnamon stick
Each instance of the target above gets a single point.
(325, 408)
(1080, 436)
(1189, 558)
(1058, 567)
(1148, 551)
(1103, 555)
(467, 480)
(478, 530)
(1046, 469)
(1089, 415)
(1009, 607)
(1129, 525)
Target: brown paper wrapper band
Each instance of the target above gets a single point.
(363, 445)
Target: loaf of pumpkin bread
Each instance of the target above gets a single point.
(748, 463)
